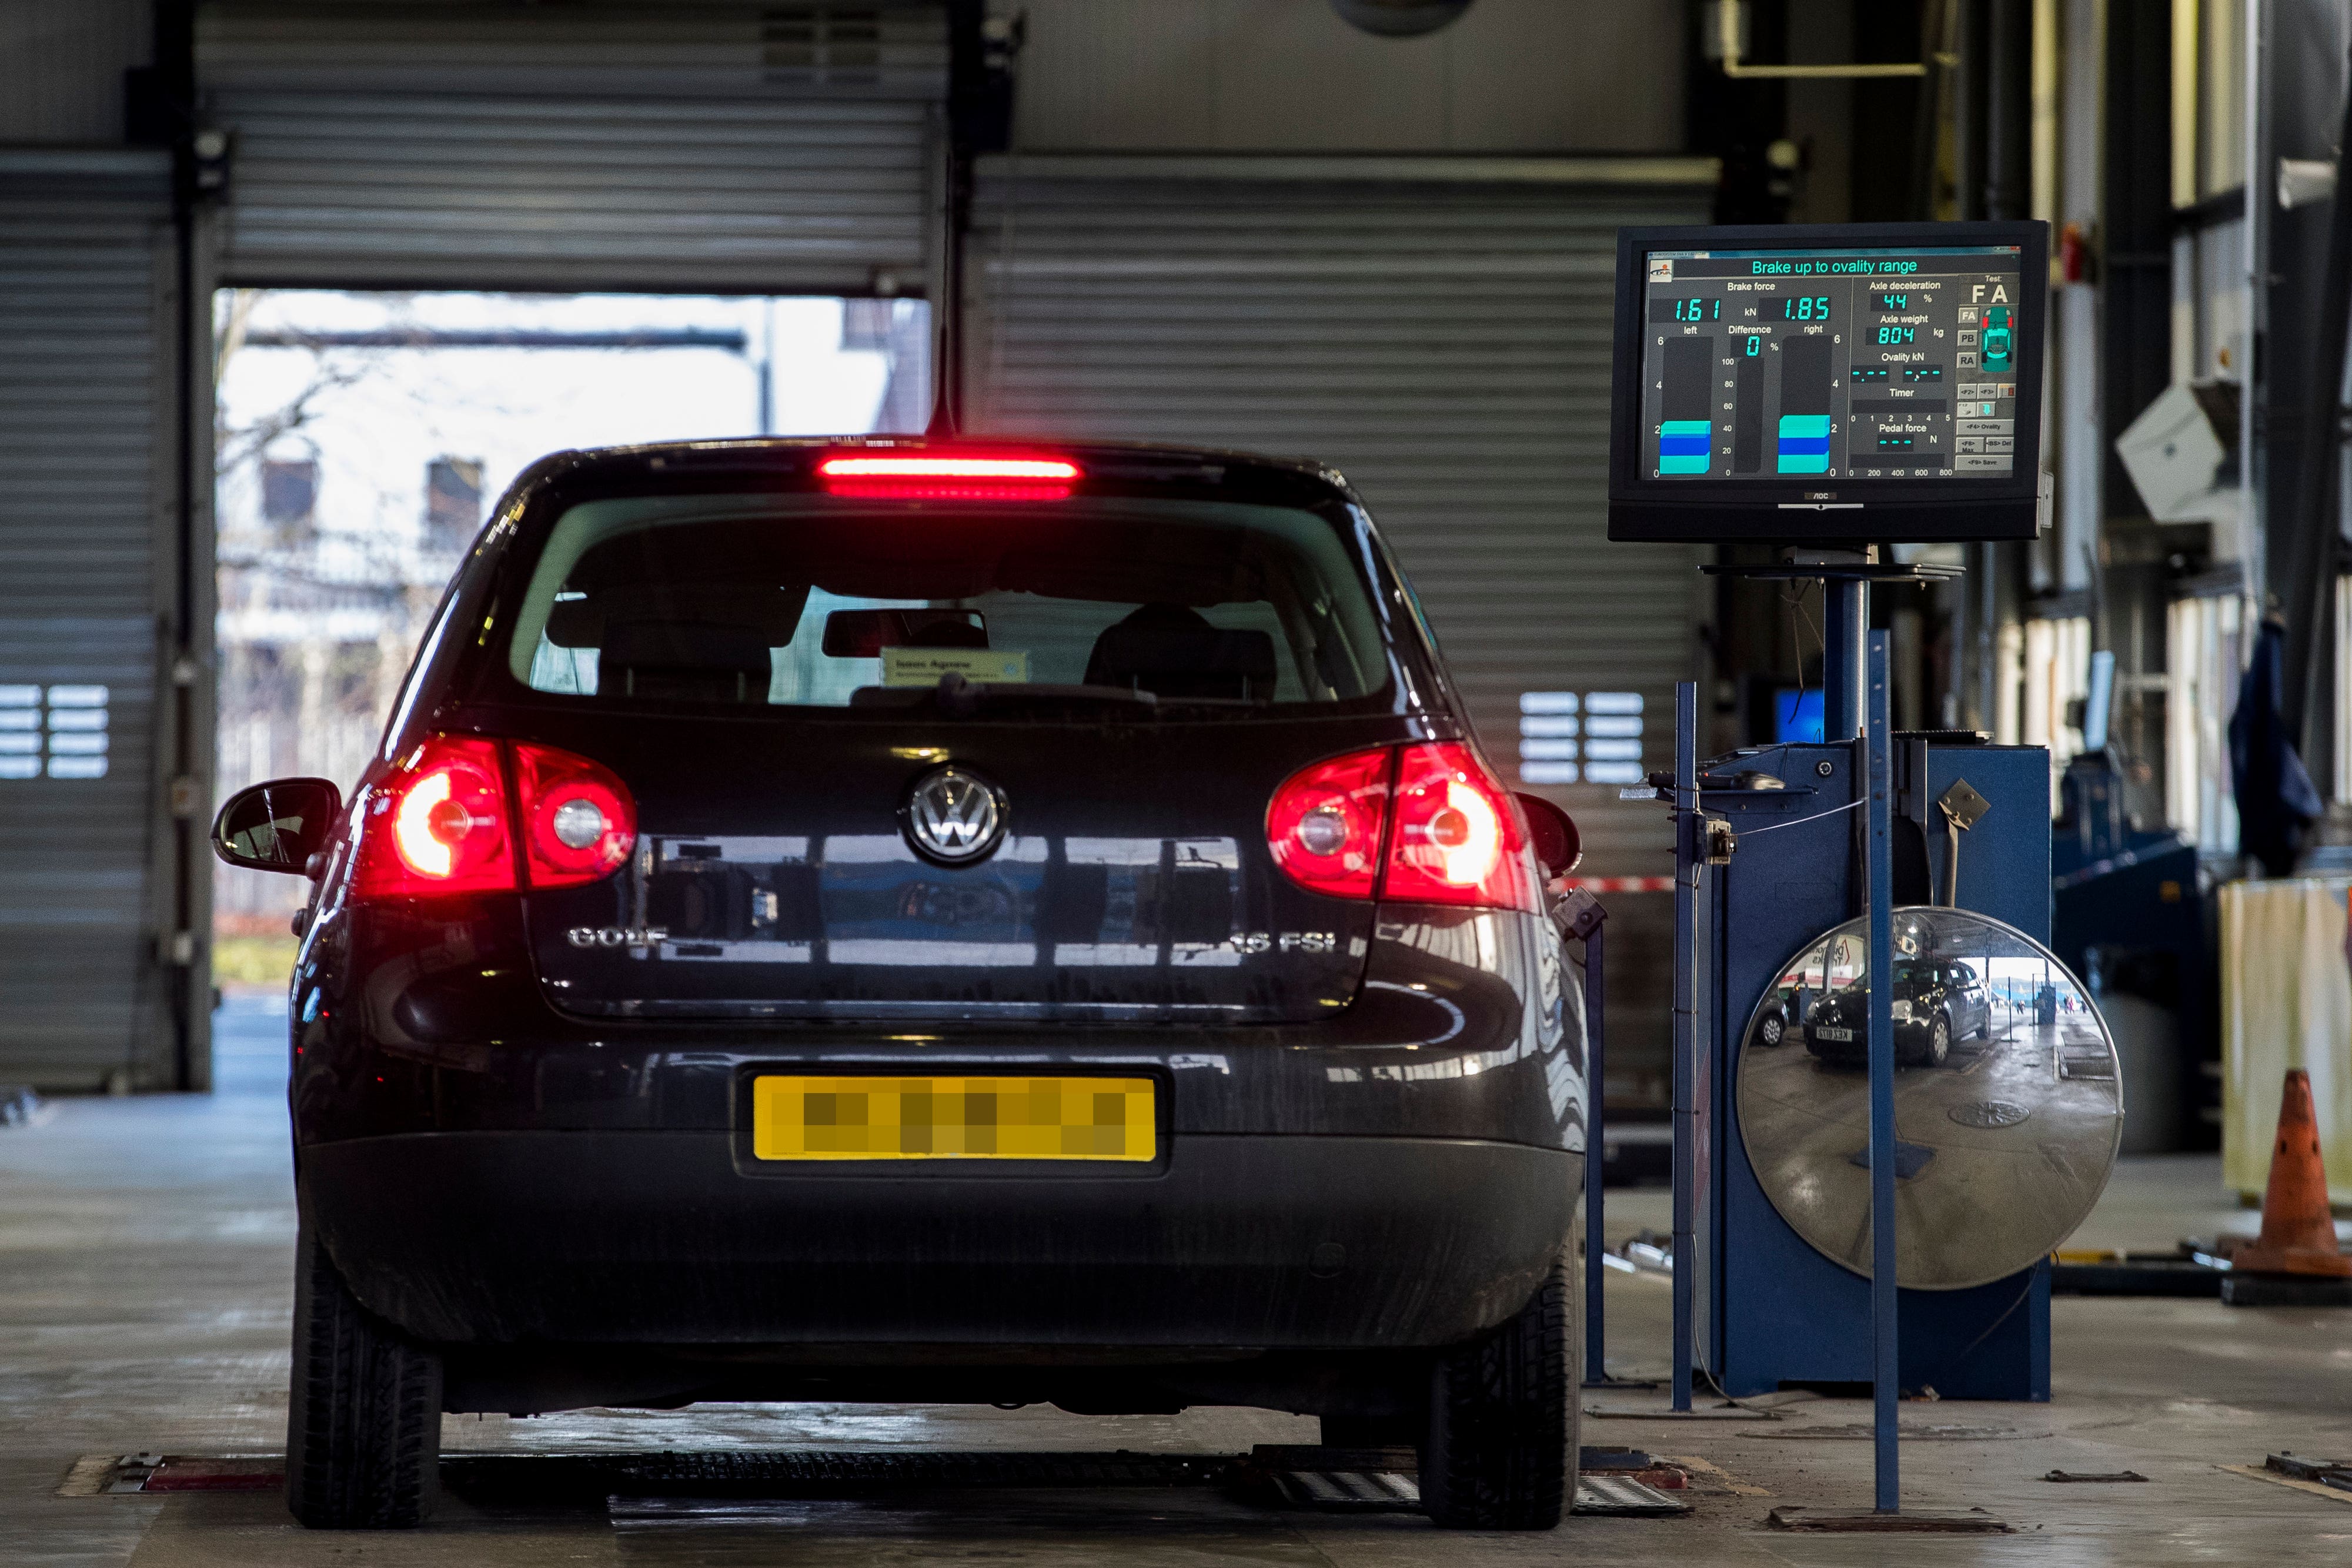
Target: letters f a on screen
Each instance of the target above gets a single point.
(1828, 383)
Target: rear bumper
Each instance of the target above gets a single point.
(656, 1238)
(1910, 1045)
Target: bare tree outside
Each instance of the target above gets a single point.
(359, 439)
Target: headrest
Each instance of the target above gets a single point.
(1174, 651)
(683, 660)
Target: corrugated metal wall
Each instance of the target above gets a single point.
(1438, 329)
(61, 67)
(727, 147)
(85, 438)
(1294, 75)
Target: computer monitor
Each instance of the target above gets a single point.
(1797, 714)
(1829, 384)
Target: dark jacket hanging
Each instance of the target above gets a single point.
(2276, 798)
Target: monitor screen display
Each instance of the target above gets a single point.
(1845, 369)
(1797, 714)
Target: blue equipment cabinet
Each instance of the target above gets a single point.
(1770, 1310)
(2127, 914)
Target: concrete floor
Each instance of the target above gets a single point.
(1990, 1200)
(145, 1253)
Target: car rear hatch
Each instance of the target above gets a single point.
(773, 876)
(1119, 680)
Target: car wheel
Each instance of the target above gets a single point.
(1501, 1445)
(1769, 1030)
(1940, 1040)
(363, 1412)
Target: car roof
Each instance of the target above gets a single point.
(1119, 460)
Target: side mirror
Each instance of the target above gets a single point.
(1558, 845)
(276, 826)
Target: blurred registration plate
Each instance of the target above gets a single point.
(1845, 1035)
(830, 1117)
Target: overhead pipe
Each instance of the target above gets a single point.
(2009, 109)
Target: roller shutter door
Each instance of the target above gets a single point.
(1437, 331)
(84, 434)
(729, 148)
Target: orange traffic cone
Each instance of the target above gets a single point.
(2298, 1234)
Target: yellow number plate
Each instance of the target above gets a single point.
(836, 1118)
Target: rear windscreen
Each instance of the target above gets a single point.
(818, 601)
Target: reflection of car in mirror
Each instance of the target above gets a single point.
(1935, 1004)
(1999, 1155)
(1782, 1011)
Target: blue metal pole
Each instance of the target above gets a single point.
(1884, 1363)
(1596, 1158)
(1687, 860)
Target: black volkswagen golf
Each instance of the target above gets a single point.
(889, 920)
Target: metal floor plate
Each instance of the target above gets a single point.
(1619, 1496)
(816, 1472)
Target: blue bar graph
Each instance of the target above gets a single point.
(1804, 444)
(1684, 445)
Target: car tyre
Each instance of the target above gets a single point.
(1771, 1030)
(363, 1412)
(1940, 1040)
(1501, 1445)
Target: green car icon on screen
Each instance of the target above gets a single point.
(1996, 339)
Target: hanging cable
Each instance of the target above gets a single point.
(1801, 821)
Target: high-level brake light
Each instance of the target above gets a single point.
(894, 476)
(1425, 823)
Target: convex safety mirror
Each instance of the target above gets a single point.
(276, 826)
(2008, 1109)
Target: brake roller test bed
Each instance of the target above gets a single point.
(1825, 392)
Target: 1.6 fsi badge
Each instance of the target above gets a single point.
(1283, 942)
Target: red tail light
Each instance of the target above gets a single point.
(1325, 821)
(443, 822)
(1457, 838)
(440, 823)
(579, 819)
(1422, 825)
(899, 477)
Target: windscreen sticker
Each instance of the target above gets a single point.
(924, 666)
